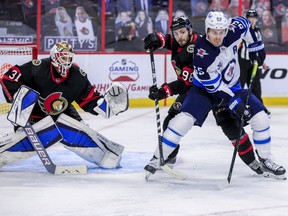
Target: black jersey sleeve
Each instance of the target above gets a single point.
(88, 98)
(72, 112)
(168, 42)
(17, 76)
(178, 87)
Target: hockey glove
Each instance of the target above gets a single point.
(115, 101)
(153, 41)
(159, 94)
(257, 52)
(239, 108)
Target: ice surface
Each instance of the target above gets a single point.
(26, 189)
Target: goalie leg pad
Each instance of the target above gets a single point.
(89, 144)
(9, 157)
(104, 159)
(16, 146)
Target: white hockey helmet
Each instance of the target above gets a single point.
(216, 20)
(62, 57)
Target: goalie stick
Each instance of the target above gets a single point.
(35, 141)
(163, 166)
(46, 160)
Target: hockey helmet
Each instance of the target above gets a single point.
(251, 13)
(180, 22)
(216, 20)
(62, 57)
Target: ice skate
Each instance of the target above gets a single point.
(256, 167)
(170, 162)
(151, 167)
(154, 165)
(272, 169)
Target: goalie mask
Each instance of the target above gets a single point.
(62, 57)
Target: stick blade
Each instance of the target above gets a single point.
(173, 172)
(71, 170)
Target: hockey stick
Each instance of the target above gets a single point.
(254, 72)
(157, 110)
(46, 160)
(163, 166)
(41, 151)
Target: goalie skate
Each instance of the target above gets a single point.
(272, 170)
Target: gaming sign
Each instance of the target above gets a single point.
(123, 71)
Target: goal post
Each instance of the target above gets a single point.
(12, 54)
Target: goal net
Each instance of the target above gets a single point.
(12, 54)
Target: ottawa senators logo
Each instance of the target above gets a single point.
(82, 72)
(190, 48)
(36, 62)
(53, 104)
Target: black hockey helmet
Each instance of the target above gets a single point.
(180, 22)
(252, 13)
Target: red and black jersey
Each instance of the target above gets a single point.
(182, 62)
(56, 93)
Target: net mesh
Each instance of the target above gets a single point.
(16, 51)
(9, 56)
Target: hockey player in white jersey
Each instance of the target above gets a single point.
(216, 83)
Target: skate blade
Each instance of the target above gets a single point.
(278, 177)
(149, 170)
(147, 175)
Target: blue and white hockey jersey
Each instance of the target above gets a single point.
(216, 69)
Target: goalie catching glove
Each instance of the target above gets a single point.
(115, 101)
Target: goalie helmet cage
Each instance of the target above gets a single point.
(11, 54)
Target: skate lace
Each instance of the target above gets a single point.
(154, 162)
(270, 165)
